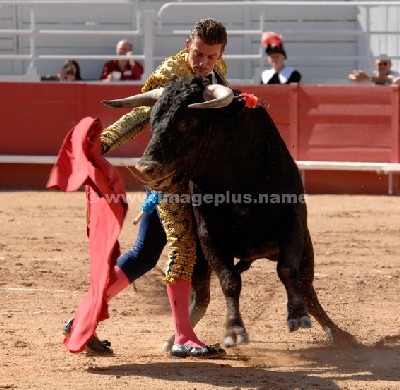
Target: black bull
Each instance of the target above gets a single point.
(230, 152)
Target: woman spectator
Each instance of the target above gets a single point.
(70, 71)
(279, 73)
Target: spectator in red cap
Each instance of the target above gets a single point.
(279, 72)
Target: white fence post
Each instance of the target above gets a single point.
(148, 18)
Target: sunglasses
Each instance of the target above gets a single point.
(382, 63)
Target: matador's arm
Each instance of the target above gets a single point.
(125, 128)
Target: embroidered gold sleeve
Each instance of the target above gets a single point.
(125, 128)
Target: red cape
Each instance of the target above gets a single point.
(80, 162)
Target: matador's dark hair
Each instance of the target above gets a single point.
(210, 31)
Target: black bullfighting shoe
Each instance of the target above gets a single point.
(207, 352)
(94, 345)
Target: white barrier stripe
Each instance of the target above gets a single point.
(378, 167)
(349, 166)
(303, 165)
(37, 289)
(22, 159)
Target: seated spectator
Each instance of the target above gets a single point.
(382, 75)
(279, 73)
(116, 70)
(70, 71)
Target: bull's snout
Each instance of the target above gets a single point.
(152, 175)
(149, 171)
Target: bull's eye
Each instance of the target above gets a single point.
(187, 124)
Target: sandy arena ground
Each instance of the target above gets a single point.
(44, 272)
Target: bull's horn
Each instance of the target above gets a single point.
(215, 96)
(148, 98)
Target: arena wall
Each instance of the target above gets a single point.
(317, 122)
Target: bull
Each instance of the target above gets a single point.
(205, 138)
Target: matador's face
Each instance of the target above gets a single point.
(202, 57)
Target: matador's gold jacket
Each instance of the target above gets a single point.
(131, 124)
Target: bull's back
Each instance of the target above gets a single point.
(251, 145)
(259, 180)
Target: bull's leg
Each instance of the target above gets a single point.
(243, 265)
(200, 297)
(335, 334)
(291, 249)
(231, 284)
(200, 294)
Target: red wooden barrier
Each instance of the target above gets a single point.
(324, 123)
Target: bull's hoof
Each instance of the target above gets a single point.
(229, 342)
(237, 337)
(302, 322)
(293, 325)
(351, 342)
(243, 339)
(342, 339)
(305, 322)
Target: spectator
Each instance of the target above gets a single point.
(279, 73)
(70, 71)
(382, 75)
(116, 70)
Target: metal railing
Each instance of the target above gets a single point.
(151, 27)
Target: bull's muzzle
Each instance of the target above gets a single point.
(152, 175)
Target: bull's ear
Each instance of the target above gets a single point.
(215, 96)
(148, 98)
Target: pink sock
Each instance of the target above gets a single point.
(179, 300)
(120, 282)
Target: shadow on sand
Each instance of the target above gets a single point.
(316, 367)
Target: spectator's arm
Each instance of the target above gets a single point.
(359, 76)
(381, 79)
(396, 80)
(105, 72)
(136, 68)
